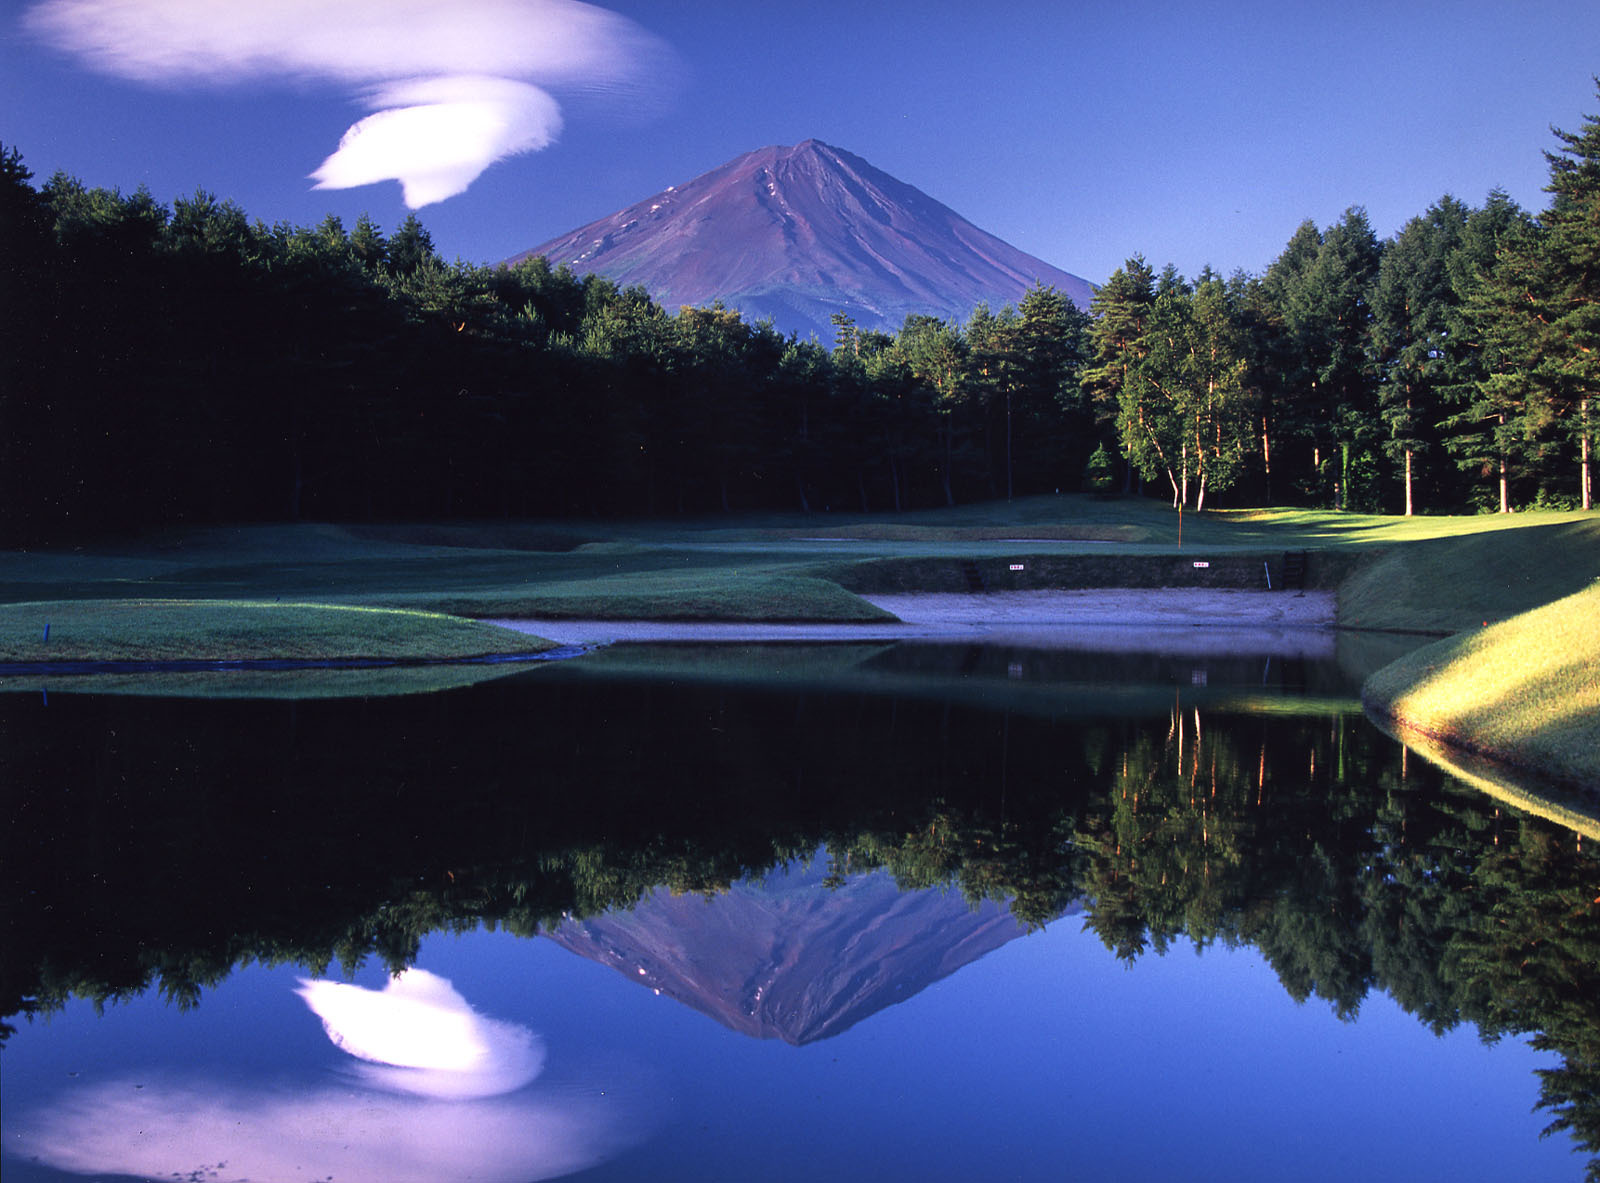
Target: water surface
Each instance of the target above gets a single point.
(882, 911)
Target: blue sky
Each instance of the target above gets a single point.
(1192, 133)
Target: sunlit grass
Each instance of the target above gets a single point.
(1325, 527)
(241, 630)
(1526, 691)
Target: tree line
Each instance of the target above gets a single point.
(185, 364)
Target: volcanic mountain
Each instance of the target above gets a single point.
(797, 234)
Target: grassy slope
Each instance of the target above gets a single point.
(1526, 691)
(1449, 584)
(1439, 574)
(1518, 680)
(240, 630)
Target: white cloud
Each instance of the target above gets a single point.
(164, 1129)
(487, 66)
(441, 1096)
(444, 130)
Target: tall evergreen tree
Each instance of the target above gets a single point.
(1413, 348)
(997, 368)
(410, 246)
(937, 354)
(1571, 288)
(1052, 344)
(1268, 360)
(1121, 310)
(1492, 274)
(28, 310)
(1336, 305)
(1280, 328)
(367, 242)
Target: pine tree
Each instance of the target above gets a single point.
(937, 353)
(1411, 343)
(411, 246)
(1121, 309)
(1324, 295)
(1571, 288)
(1488, 387)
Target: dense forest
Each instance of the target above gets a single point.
(185, 365)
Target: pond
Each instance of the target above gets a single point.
(886, 911)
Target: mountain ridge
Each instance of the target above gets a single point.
(795, 234)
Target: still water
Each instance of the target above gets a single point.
(851, 912)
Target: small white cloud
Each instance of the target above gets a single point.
(437, 135)
(456, 84)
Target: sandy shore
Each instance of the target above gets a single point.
(1213, 620)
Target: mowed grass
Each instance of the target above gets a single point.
(141, 630)
(274, 590)
(1525, 691)
(714, 594)
(1452, 583)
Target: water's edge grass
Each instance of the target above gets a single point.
(1524, 692)
(404, 592)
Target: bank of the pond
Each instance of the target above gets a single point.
(1516, 678)
(1525, 691)
(190, 633)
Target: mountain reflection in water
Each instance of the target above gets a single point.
(1237, 803)
(799, 954)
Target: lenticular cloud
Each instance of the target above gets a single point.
(454, 85)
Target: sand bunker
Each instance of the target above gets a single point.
(1224, 617)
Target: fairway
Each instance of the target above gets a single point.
(764, 567)
(1424, 574)
(41, 633)
(418, 592)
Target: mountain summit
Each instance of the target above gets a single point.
(797, 234)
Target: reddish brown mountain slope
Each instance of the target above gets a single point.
(797, 234)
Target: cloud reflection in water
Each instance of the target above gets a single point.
(441, 1094)
(436, 1044)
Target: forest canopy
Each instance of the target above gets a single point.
(187, 364)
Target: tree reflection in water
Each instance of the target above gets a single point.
(164, 841)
